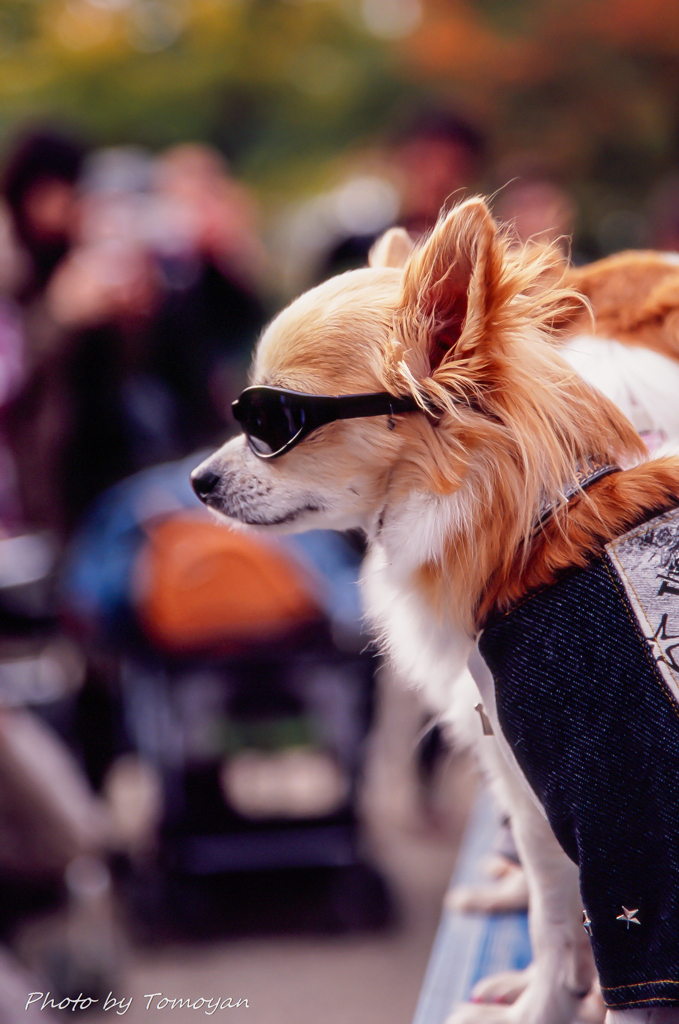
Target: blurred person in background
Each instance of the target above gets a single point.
(105, 296)
(436, 154)
(12, 370)
(538, 208)
(139, 299)
(214, 273)
(39, 188)
(430, 158)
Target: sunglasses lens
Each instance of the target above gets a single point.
(271, 420)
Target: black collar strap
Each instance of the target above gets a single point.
(586, 474)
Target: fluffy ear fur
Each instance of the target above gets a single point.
(449, 281)
(466, 290)
(449, 288)
(392, 249)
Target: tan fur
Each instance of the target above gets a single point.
(392, 249)
(328, 340)
(635, 299)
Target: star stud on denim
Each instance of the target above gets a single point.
(628, 916)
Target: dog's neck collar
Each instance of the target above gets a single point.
(587, 473)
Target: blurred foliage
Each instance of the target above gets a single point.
(587, 90)
(270, 82)
(584, 90)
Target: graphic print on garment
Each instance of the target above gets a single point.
(647, 562)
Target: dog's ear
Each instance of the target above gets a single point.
(450, 283)
(392, 249)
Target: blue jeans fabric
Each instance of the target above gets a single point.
(596, 731)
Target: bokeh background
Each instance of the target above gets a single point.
(209, 785)
(291, 92)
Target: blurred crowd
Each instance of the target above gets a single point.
(132, 298)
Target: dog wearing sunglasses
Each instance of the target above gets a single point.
(515, 524)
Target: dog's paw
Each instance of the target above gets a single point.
(592, 1008)
(509, 892)
(536, 1002)
(505, 987)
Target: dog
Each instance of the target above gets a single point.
(483, 471)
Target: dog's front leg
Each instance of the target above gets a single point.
(563, 969)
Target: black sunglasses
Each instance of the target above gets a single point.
(274, 420)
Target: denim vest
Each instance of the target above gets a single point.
(587, 685)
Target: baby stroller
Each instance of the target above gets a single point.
(245, 684)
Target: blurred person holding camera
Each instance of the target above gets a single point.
(65, 294)
(214, 267)
(141, 288)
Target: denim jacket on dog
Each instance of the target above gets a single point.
(587, 684)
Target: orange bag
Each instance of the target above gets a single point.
(203, 585)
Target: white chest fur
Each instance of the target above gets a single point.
(425, 651)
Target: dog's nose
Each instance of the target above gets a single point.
(204, 482)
